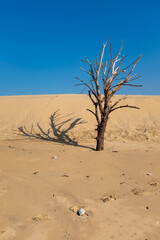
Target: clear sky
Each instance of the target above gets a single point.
(43, 41)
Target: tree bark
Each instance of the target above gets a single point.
(100, 135)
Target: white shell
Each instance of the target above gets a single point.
(54, 157)
(81, 211)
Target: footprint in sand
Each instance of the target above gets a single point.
(137, 191)
(154, 183)
(122, 183)
(40, 217)
(7, 233)
(11, 147)
(108, 198)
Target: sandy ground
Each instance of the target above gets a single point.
(119, 188)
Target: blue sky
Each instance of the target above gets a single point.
(43, 41)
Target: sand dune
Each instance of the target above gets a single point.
(70, 111)
(48, 169)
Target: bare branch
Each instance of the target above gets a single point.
(125, 84)
(118, 101)
(96, 80)
(96, 107)
(104, 68)
(135, 78)
(86, 71)
(124, 107)
(114, 71)
(101, 57)
(87, 85)
(94, 115)
(134, 64)
(127, 78)
(89, 93)
(132, 85)
(97, 62)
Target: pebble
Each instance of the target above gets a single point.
(80, 212)
(35, 172)
(148, 174)
(122, 183)
(64, 175)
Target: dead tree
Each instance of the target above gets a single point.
(113, 78)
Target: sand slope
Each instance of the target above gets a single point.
(119, 187)
(70, 111)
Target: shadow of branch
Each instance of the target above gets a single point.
(58, 131)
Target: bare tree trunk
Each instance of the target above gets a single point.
(100, 135)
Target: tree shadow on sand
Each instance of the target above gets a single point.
(58, 131)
